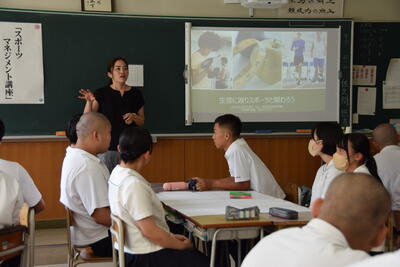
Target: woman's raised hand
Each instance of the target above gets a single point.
(86, 95)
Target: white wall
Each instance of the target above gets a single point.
(365, 10)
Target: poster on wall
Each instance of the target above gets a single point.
(21, 63)
(312, 9)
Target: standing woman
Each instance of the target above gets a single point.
(122, 104)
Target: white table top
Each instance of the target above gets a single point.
(214, 202)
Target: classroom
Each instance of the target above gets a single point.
(177, 155)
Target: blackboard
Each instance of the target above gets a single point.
(375, 43)
(77, 47)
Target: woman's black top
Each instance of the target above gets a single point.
(114, 106)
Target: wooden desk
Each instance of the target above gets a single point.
(213, 227)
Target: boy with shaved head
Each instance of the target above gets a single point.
(347, 222)
(84, 188)
(388, 164)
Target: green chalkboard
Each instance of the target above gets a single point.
(375, 43)
(77, 47)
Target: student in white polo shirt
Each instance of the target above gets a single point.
(388, 164)
(84, 184)
(30, 193)
(385, 260)
(11, 200)
(349, 221)
(324, 138)
(148, 243)
(247, 170)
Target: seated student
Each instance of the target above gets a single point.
(71, 129)
(11, 201)
(84, 184)
(388, 163)
(247, 170)
(353, 155)
(30, 193)
(348, 222)
(324, 138)
(148, 240)
(385, 260)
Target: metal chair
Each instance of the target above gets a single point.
(27, 219)
(77, 254)
(118, 240)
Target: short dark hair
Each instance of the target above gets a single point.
(2, 130)
(231, 122)
(71, 128)
(330, 133)
(210, 40)
(134, 142)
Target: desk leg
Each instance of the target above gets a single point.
(239, 257)
(213, 247)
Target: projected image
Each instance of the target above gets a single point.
(304, 60)
(257, 60)
(274, 74)
(211, 59)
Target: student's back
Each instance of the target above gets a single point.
(10, 201)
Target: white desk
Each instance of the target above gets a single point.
(204, 214)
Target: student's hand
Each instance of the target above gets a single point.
(86, 95)
(203, 184)
(129, 118)
(186, 243)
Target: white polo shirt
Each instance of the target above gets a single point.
(245, 165)
(314, 245)
(324, 177)
(11, 200)
(84, 189)
(362, 169)
(132, 199)
(29, 190)
(384, 260)
(388, 163)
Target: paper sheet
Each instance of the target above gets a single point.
(214, 202)
(366, 100)
(390, 97)
(364, 75)
(135, 77)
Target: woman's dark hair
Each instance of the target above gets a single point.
(360, 144)
(134, 142)
(231, 122)
(330, 133)
(210, 40)
(71, 128)
(111, 64)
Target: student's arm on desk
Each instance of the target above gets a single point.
(160, 237)
(221, 184)
(102, 216)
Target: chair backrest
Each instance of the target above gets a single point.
(27, 219)
(70, 223)
(118, 238)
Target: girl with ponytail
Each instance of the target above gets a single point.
(353, 155)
